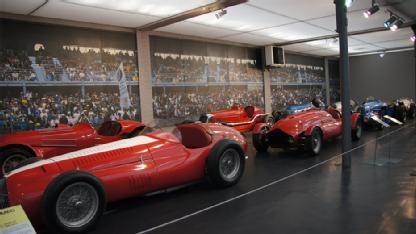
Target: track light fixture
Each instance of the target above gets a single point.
(221, 13)
(396, 24)
(371, 11)
(413, 38)
(390, 21)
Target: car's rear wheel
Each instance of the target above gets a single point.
(11, 158)
(357, 131)
(73, 202)
(315, 142)
(259, 140)
(225, 164)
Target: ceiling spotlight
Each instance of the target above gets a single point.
(413, 38)
(371, 11)
(396, 24)
(221, 13)
(382, 54)
(390, 21)
(348, 3)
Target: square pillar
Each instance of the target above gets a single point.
(267, 92)
(145, 76)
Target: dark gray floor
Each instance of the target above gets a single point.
(376, 196)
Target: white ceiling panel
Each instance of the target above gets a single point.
(194, 29)
(160, 8)
(356, 21)
(62, 10)
(243, 18)
(293, 31)
(299, 9)
(322, 52)
(253, 39)
(395, 44)
(362, 48)
(300, 47)
(401, 34)
(19, 6)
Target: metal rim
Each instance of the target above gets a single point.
(229, 164)
(358, 130)
(77, 204)
(11, 163)
(316, 142)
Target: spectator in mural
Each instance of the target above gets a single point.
(43, 111)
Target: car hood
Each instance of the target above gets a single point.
(225, 114)
(44, 135)
(297, 123)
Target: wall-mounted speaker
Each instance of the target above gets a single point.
(275, 56)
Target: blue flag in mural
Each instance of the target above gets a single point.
(122, 85)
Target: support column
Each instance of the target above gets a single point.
(267, 92)
(145, 76)
(327, 85)
(414, 52)
(341, 16)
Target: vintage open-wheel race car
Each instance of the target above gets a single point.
(46, 143)
(379, 114)
(68, 193)
(306, 130)
(241, 119)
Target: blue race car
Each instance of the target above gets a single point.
(293, 109)
(377, 113)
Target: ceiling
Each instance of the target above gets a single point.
(257, 22)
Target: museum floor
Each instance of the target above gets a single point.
(283, 192)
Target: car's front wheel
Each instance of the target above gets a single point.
(225, 164)
(73, 202)
(315, 142)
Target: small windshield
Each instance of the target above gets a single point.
(163, 132)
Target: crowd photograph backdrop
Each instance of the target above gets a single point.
(57, 74)
(60, 74)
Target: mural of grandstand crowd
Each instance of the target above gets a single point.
(56, 74)
(190, 78)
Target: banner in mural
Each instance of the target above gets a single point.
(58, 74)
(125, 102)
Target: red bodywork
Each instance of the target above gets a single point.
(293, 130)
(126, 168)
(241, 119)
(46, 143)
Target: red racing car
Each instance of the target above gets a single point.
(305, 130)
(46, 143)
(68, 193)
(242, 119)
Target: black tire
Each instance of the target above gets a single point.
(401, 114)
(28, 161)
(59, 185)
(259, 140)
(412, 112)
(314, 142)
(357, 131)
(11, 158)
(222, 149)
